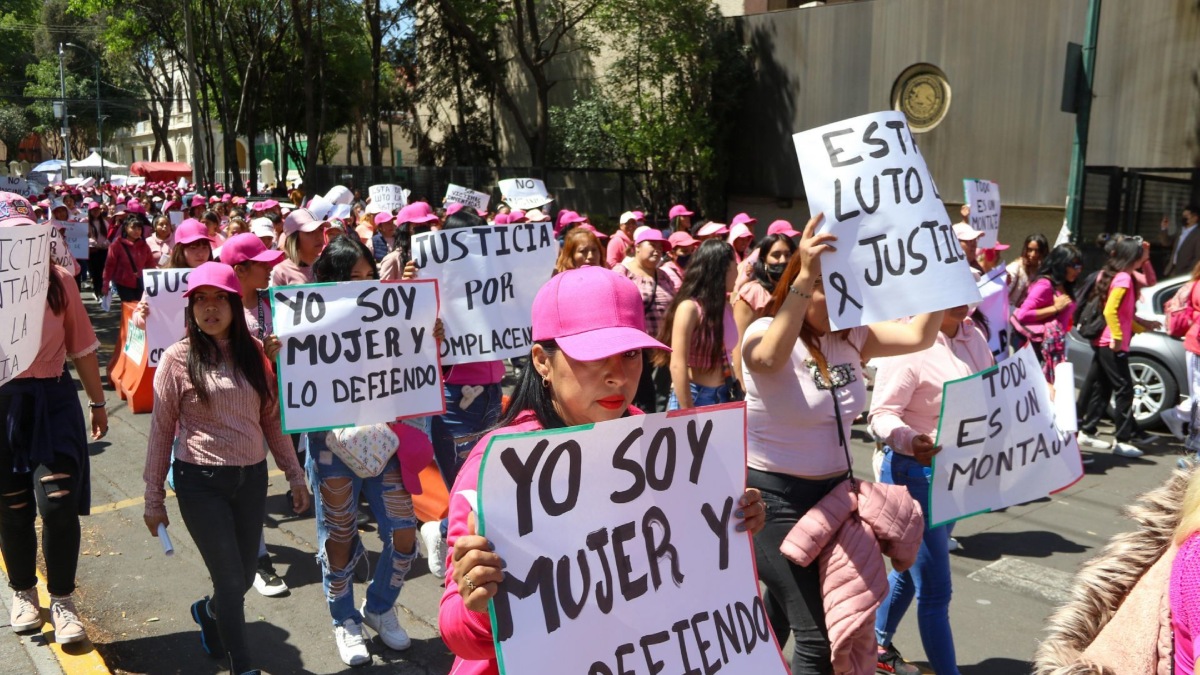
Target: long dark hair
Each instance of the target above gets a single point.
(338, 259)
(703, 282)
(759, 272)
(204, 355)
(530, 394)
(1055, 265)
(56, 294)
(1124, 253)
(1040, 240)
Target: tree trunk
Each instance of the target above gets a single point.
(375, 27)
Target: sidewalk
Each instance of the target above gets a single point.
(37, 652)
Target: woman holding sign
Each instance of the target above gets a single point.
(804, 387)
(193, 247)
(305, 238)
(905, 410)
(589, 335)
(215, 387)
(1044, 317)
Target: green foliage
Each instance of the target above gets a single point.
(584, 134)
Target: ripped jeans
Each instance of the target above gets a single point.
(336, 491)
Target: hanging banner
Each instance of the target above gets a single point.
(639, 566)
(166, 322)
(896, 255)
(983, 198)
(357, 353)
(457, 194)
(489, 277)
(24, 279)
(1000, 443)
(994, 307)
(524, 193)
(389, 197)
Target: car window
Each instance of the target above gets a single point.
(1164, 294)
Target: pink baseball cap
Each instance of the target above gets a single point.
(245, 247)
(649, 234)
(566, 217)
(1001, 247)
(965, 232)
(238, 201)
(516, 216)
(134, 206)
(679, 210)
(269, 204)
(15, 210)
(782, 227)
(227, 197)
(385, 217)
(739, 231)
(301, 220)
(743, 219)
(502, 219)
(214, 199)
(592, 228)
(191, 230)
(215, 274)
(684, 239)
(713, 230)
(592, 313)
(416, 213)
(197, 200)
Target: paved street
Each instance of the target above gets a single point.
(1013, 567)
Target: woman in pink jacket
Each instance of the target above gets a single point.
(584, 369)
(804, 386)
(904, 413)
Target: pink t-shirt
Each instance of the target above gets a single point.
(64, 336)
(1124, 312)
(288, 273)
(790, 418)
(619, 247)
(753, 294)
(1185, 603)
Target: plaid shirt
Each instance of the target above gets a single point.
(655, 309)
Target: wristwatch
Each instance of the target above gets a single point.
(101, 404)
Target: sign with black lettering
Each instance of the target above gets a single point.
(489, 277)
(983, 198)
(14, 184)
(1000, 443)
(524, 193)
(166, 321)
(24, 278)
(76, 234)
(896, 254)
(356, 353)
(60, 253)
(457, 194)
(620, 548)
(390, 198)
(993, 287)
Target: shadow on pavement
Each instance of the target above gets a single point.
(1029, 544)
(998, 666)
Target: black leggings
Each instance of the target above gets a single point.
(95, 267)
(794, 590)
(19, 492)
(1110, 378)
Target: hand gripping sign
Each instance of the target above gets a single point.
(620, 550)
(896, 254)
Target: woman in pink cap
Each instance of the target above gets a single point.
(700, 330)
(657, 290)
(741, 237)
(44, 466)
(162, 240)
(305, 238)
(128, 256)
(215, 387)
(589, 335)
(193, 247)
(681, 219)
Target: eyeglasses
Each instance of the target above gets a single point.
(1076, 265)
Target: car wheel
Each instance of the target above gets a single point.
(1154, 390)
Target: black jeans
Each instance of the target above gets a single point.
(793, 589)
(60, 522)
(223, 509)
(1110, 378)
(95, 268)
(128, 293)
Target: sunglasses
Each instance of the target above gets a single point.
(1076, 265)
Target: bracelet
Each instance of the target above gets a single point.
(94, 406)
(796, 291)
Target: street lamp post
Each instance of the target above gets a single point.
(66, 125)
(99, 117)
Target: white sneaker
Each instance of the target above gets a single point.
(26, 612)
(1126, 450)
(953, 544)
(1093, 442)
(1176, 421)
(387, 627)
(351, 646)
(435, 548)
(266, 581)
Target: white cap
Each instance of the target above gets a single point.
(627, 216)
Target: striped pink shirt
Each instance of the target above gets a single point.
(230, 430)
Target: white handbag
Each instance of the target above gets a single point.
(366, 450)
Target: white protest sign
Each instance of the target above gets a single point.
(356, 353)
(14, 184)
(76, 234)
(457, 194)
(176, 217)
(117, 180)
(620, 550)
(896, 254)
(24, 278)
(182, 184)
(489, 277)
(994, 308)
(136, 180)
(135, 342)
(388, 197)
(60, 253)
(1000, 443)
(983, 197)
(524, 193)
(166, 322)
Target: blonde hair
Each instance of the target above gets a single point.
(1189, 510)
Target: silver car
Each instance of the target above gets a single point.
(1157, 361)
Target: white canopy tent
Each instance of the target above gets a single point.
(93, 161)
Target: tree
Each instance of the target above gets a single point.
(15, 125)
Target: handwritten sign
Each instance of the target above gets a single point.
(983, 197)
(60, 252)
(14, 184)
(1000, 443)
(166, 322)
(994, 308)
(489, 277)
(388, 197)
(457, 194)
(76, 234)
(524, 193)
(24, 279)
(356, 353)
(640, 565)
(896, 254)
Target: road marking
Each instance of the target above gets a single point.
(134, 501)
(1026, 578)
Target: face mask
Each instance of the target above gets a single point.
(682, 260)
(776, 271)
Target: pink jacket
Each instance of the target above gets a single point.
(845, 533)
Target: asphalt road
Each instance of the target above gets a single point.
(1014, 566)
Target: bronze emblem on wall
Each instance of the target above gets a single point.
(923, 95)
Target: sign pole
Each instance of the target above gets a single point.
(1075, 180)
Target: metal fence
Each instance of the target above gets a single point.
(1133, 201)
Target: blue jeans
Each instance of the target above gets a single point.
(928, 579)
(702, 396)
(455, 433)
(393, 509)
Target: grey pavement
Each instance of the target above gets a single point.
(1013, 567)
